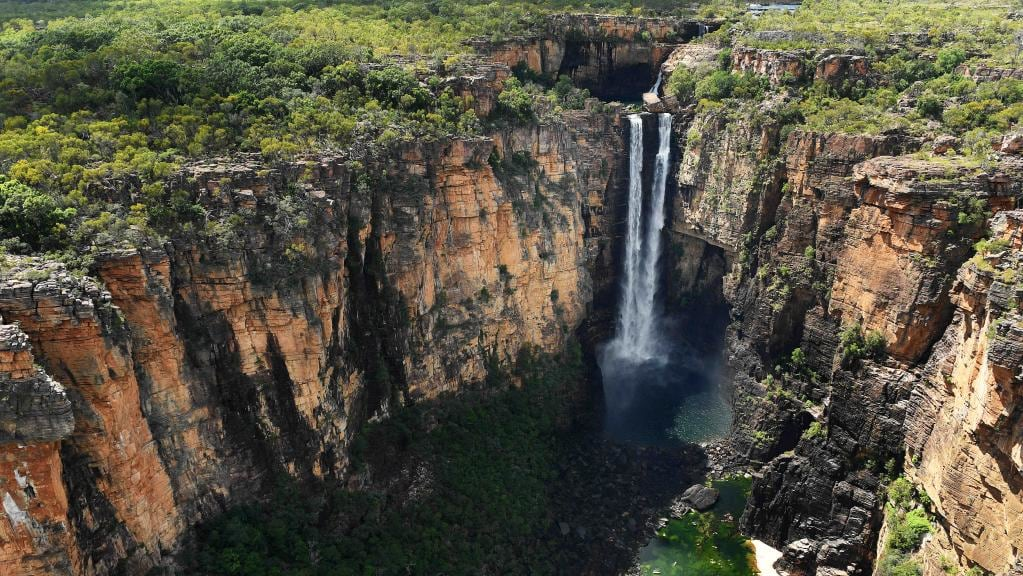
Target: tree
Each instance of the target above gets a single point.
(30, 216)
(149, 79)
(515, 101)
(715, 86)
(681, 84)
(948, 59)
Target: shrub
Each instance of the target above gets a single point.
(948, 59)
(898, 565)
(972, 114)
(149, 79)
(815, 430)
(750, 86)
(716, 86)
(798, 359)
(900, 493)
(681, 84)
(929, 105)
(568, 95)
(855, 346)
(972, 210)
(399, 88)
(908, 530)
(515, 101)
(875, 345)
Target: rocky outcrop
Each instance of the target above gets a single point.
(986, 73)
(111, 469)
(821, 232)
(777, 65)
(722, 195)
(840, 70)
(480, 85)
(320, 294)
(885, 250)
(904, 243)
(694, 57)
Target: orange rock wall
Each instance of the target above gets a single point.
(964, 433)
(199, 370)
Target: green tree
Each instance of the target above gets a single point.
(31, 216)
(149, 79)
(515, 101)
(681, 84)
(716, 86)
(948, 59)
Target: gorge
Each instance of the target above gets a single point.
(508, 346)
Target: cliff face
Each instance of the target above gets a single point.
(322, 294)
(822, 233)
(964, 431)
(36, 416)
(615, 57)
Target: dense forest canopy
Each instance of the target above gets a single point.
(101, 102)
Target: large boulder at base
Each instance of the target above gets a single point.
(701, 497)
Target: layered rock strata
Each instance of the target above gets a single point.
(825, 237)
(616, 57)
(36, 415)
(319, 295)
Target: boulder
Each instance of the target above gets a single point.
(652, 103)
(700, 497)
(1011, 143)
(944, 143)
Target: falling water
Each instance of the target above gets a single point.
(661, 384)
(636, 339)
(657, 83)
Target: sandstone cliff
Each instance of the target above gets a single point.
(616, 57)
(963, 430)
(309, 298)
(825, 233)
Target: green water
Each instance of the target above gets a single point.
(707, 543)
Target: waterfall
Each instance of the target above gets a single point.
(657, 84)
(636, 338)
(703, 29)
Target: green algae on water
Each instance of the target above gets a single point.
(704, 544)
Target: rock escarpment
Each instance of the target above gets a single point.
(615, 57)
(827, 240)
(308, 298)
(320, 294)
(964, 432)
(36, 415)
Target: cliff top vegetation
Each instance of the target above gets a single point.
(101, 102)
(983, 29)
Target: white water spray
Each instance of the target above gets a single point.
(636, 339)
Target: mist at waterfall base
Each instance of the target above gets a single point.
(661, 373)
